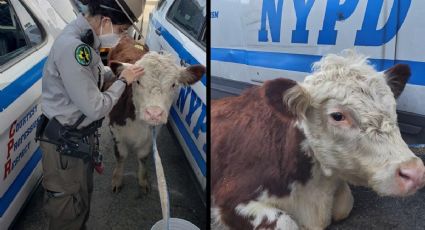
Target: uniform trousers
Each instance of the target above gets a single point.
(68, 184)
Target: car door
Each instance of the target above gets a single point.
(178, 27)
(21, 62)
(153, 38)
(27, 31)
(410, 50)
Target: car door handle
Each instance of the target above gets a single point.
(158, 31)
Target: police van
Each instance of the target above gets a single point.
(254, 41)
(27, 31)
(178, 27)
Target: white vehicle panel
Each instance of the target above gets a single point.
(20, 90)
(188, 112)
(256, 41)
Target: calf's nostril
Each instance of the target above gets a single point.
(411, 175)
(403, 175)
(154, 113)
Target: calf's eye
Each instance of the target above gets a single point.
(138, 82)
(337, 116)
(174, 85)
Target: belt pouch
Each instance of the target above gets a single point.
(53, 130)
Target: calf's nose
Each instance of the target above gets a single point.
(154, 113)
(411, 174)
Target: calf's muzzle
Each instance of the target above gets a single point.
(410, 176)
(155, 114)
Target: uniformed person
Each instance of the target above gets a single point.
(73, 107)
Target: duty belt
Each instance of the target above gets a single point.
(69, 140)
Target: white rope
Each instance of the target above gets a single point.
(162, 184)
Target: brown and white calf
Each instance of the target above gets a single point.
(283, 153)
(143, 104)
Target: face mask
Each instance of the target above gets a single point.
(108, 40)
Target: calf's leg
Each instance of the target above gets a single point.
(343, 202)
(142, 155)
(258, 215)
(121, 153)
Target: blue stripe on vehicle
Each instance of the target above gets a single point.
(189, 141)
(15, 89)
(303, 62)
(19, 181)
(178, 47)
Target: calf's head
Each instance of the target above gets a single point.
(127, 50)
(347, 111)
(155, 91)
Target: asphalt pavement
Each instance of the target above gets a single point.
(127, 209)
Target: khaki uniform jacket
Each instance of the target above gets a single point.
(73, 76)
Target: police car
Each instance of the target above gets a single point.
(254, 41)
(178, 27)
(27, 31)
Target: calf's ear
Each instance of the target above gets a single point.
(118, 67)
(191, 74)
(397, 77)
(287, 97)
(297, 100)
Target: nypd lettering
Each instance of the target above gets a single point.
(188, 100)
(336, 10)
(214, 14)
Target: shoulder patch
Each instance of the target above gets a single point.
(83, 54)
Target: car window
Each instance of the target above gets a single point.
(204, 37)
(79, 7)
(160, 4)
(188, 16)
(16, 36)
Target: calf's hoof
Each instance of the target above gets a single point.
(116, 188)
(145, 188)
(116, 184)
(116, 180)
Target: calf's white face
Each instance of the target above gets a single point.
(347, 111)
(155, 91)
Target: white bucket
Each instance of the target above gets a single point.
(175, 224)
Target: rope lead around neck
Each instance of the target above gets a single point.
(162, 184)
